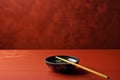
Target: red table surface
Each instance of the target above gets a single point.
(30, 64)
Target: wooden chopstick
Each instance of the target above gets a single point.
(85, 68)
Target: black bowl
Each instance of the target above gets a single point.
(61, 66)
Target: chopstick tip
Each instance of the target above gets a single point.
(108, 77)
(56, 57)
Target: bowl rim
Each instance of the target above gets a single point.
(77, 59)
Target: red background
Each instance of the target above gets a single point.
(59, 24)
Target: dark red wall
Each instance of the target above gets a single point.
(59, 24)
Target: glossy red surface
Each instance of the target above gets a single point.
(59, 24)
(30, 65)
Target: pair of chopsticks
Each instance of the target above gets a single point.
(85, 68)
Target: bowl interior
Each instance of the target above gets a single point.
(54, 60)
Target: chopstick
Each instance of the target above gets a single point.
(85, 68)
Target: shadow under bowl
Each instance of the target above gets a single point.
(61, 66)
